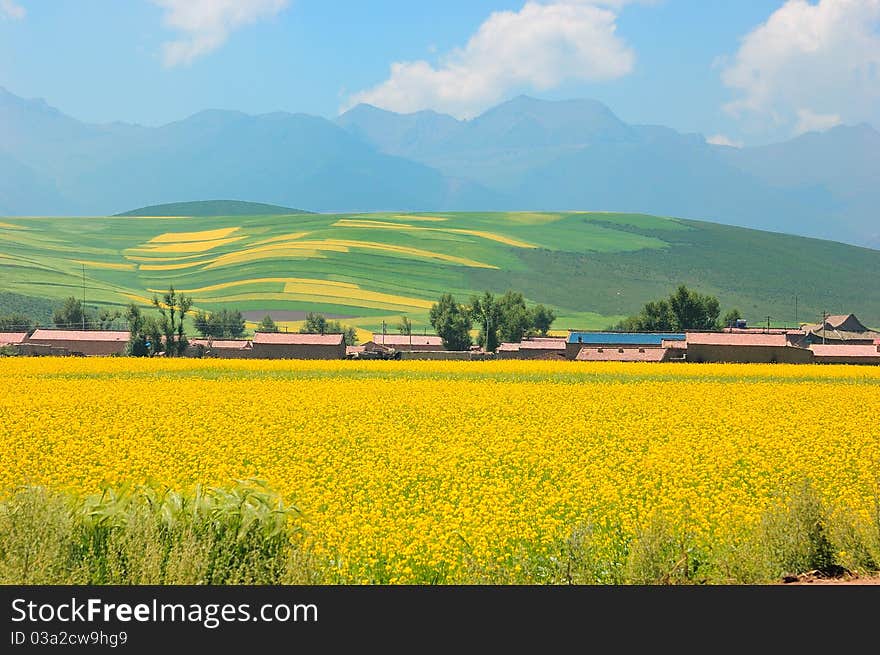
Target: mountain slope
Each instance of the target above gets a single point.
(578, 154)
(844, 161)
(213, 208)
(593, 268)
(279, 158)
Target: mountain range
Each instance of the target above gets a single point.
(524, 154)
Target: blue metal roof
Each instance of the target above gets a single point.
(624, 338)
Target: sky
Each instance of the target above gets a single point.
(742, 72)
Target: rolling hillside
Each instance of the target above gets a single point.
(213, 208)
(592, 267)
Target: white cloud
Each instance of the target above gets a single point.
(538, 47)
(809, 121)
(722, 140)
(207, 24)
(12, 10)
(809, 66)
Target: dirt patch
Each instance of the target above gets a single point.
(285, 315)
(817, 578)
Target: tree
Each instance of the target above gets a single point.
(452, 322)
(107, 318)
(405, 326)
(16, 322)
(694, 311)
(267, 325)
(486, 313)
(145, 338)
(731, 317)
(682, 310)
(318, 324)
(314, 324)
(542, 318)
(70, 315)
(514, 318)
(172, 313)
(223, 324)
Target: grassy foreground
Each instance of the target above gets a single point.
(427, 472)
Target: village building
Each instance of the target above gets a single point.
(12, 338)
(630, 354)
(577, 340)
(846, 354)
(746, 348)
(292, 345)
(221, 348)
(533, 348)
(421, 342)
(82, 342)
(841, 329)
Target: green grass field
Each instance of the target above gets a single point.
(593, 268)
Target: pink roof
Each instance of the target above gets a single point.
(7, 338)
(740, 339)
(296, 339)
(350, 350)
(621, 354)
(542, 344)
(231, 344)
(79, 335)
(845, 351)
(404, 340)
(508, 347)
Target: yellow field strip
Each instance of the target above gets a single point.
(207, 235)
(281, 237)
(106, 265)
(380, 225)
(170, 267)
(188, 246)
(326, 299)
(269, 280)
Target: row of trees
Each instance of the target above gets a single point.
(684, 309)
(499, 319)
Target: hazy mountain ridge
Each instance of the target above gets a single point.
(523, 154)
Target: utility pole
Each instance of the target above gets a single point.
(768, 323)
(383, 332)
(825, 316)
(84, 299)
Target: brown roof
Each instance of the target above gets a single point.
(820, 350)
(736, 339)
(231, 344)
(79, 335)
(621, 354)
(296, 339)
(542, 344)
(404, 340)
(8, 338)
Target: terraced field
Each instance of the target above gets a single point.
(592, 267)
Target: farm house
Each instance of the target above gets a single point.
(406, 341)
(82, 342)
(283, 345)
(578, 340)
(745, 348)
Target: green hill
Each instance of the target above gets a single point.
(213, 208)
(594, 268)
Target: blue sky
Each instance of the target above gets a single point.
(736, 71)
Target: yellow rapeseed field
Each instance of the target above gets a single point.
(416, 466)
